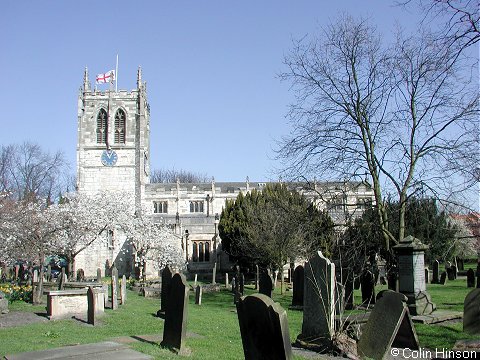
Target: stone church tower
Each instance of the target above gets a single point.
(113, 150)
(113, 145)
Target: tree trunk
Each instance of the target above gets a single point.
(37, 290)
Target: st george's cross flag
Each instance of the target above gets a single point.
(104, 78)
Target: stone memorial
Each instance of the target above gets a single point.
(226, 281)
(427, 276)
(264, 328)
(265, 284)
(241, 284)
(92, 305)
(392, 279)
(35, 276)
(450, 273)
(471, 312)
(65, 303)
(175, 327)
(123, 290)
(411, 275)
(389, 325)
(80, 275)
(49, 272)
(368, 288)
(443, 278)
(198, 295)
(114, 288)
(214, 273)
(470, 278)
(167, 275)
(234, 283)
(318, 325)
(436, 272)
(99, 275)
(257, 276)
(461, 264)
(298, 284)
(195, 280)
(454, 271)
(62, 279)
(349, 296)
(3, 303)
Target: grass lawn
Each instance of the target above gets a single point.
(215, 321)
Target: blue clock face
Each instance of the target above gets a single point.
(109, 157)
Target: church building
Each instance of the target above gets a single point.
(113, 153)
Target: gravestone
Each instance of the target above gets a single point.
(264, 328)
(257, 276)
(175, 327)
(411, 275)
(114, 288)
(99, 275)
(35, 276)
(427, 276)
(298, 284)
(241, 285)
(471, 312)
(234, 283)
(123, 290)
(368, 288)
(195, 280)
(443, 278)
(436, 272)
(470, 278)
(49, 272)
(349, 297)
(80, 275)
(92, 305)
(454, 271)
(450, 273)
(318, 325)
(226, 281)
(214, 273)
(389, 325)
(461, 264)
(265, 284)
(3, 303)
(167, 275)
(198, 295)
(392, 279)
(61, 279)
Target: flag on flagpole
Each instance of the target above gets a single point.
(108, 77)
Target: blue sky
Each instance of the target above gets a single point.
(211, 68)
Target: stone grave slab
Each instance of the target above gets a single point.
(389, 325)
(264, 328)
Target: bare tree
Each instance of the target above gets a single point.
(172, 175)
(394, 113)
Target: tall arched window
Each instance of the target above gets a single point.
(201, 254)
(102, 127)
(194, 252)
(207, 251)
(120, 127)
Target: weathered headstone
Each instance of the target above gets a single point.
(389, 325)
(470, 278)
(35, 276)
(471, 312)
(234, 283)
(264, 328)
(436, 272)
(226, 281)
(443, 278)
(123, 290)
(80, 275)
(175, 327)
(298, 285)
(319, 301)
(450, 273)
(257, 276)
(167, 275)
(114, 288)
(198, 295)
(214, 273)
(61, 279)
(349, 297)
(461, 264)
(411, 275)
(241, 284)
(195, 280)
(368, 288)
(99, 275)
(427, 276)
(454, 271)
(92, 305)
(265, 284)
(392, 280)
(49, 272)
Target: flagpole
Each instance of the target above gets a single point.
(116, 75)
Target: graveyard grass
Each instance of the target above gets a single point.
(214, 325)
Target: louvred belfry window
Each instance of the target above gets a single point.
(120, 127)
(102, 127)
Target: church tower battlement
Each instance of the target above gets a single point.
(113, 148)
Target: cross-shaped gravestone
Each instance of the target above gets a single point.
(264, 328)
(175, 327)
